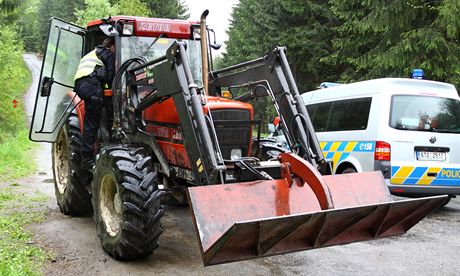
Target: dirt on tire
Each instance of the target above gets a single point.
(73, 198)
(126, 202)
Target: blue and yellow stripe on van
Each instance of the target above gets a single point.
(340, 150)
(434, 176)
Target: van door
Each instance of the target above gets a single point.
(426, 148)
(53, 102)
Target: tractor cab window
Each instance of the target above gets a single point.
(147, 47)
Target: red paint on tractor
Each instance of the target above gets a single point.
(163, 122)
(153, 27)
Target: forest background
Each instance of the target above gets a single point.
(327, 40)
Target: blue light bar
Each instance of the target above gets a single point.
(417, 74)
(328, 84)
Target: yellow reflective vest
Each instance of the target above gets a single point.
(87, 65)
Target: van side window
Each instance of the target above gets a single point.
(340, 115)
(319, 115)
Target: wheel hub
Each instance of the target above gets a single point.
(110, 205)
(61, 163)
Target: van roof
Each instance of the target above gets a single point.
(384, 85)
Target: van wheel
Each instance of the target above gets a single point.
(349, 170)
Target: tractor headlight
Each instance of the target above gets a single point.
(128, 29)
(235, 154)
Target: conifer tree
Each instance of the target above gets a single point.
(390, 38)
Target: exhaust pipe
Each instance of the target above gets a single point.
(204, 51)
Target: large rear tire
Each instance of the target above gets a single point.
(71, 195)
(126, 202)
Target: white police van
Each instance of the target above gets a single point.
(407, 128)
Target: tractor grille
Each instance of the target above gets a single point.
(233, 128)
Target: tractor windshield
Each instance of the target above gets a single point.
(135, 46)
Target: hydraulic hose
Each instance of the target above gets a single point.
(117, 96)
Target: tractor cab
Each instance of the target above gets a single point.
(148, 38)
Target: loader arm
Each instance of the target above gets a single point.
(271, 76)
(173, 78)
(299, 209)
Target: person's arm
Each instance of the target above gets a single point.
(108, 58)
(109, 66)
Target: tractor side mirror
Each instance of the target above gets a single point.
(271, 128)
(47, 83)
(108, 30)
(216, 46)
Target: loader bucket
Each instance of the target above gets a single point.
(255, 219)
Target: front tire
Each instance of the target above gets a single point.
(71, 195)
(126, 202)
(267, 149)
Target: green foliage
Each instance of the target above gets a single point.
(27, 26)
(218, 62)
(14, 78)
(304, 27)
(132, 7)
(174, 9)
(389, 38)
(9, 11)
(15, 159)
(62, 9)
(17, 253)
(34, 15)
(94, 9)
(250, 32)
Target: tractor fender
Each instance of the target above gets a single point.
(79, 106)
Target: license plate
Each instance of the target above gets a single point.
(431, 156)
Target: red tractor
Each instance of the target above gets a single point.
(175, 138)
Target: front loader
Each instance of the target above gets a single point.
(175, 138)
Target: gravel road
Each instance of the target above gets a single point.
(430, 248)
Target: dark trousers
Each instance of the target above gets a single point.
(89, 90)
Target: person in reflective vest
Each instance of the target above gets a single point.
(94, 74)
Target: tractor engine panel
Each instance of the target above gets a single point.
(231, 123)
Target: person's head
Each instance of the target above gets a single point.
(109, 43)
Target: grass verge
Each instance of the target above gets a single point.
(18, 255)
(15, 158)
(14, 143)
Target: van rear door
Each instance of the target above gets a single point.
(425, 150)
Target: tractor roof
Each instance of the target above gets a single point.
(144, 26)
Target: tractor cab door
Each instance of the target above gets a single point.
(54, 100)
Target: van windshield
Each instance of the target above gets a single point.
(424, 113)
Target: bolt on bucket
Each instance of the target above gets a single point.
(249, 220)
